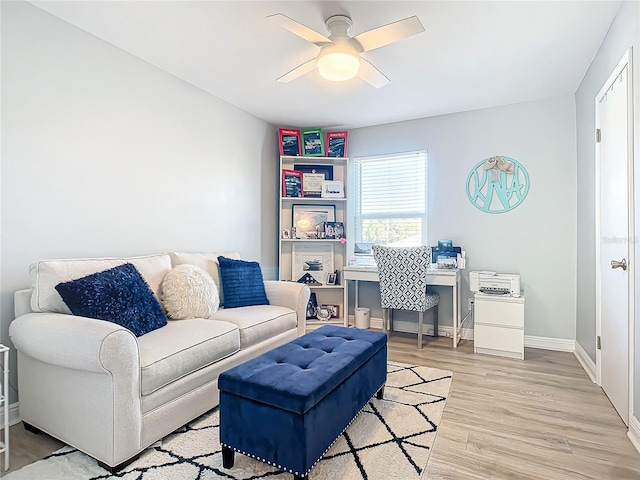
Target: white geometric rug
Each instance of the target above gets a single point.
(390, 439)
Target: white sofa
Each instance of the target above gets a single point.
(97, 387)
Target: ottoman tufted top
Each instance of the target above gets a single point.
(299, 374)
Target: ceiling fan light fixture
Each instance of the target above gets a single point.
(338, 62)
(339, 57)
(338, 67)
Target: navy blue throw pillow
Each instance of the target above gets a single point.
(242, 283)
(119, 295)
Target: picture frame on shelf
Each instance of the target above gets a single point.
(312, 178)
(332, 189)
(308, 220)
(286, 234)
(334, 309)
(313, 181)
(292, 185)
(313, 259)
(336, 144)
(333, 230)
(307, 279)
(329, 230)
(312, 306)
(331, 279)
(312, 142)
(290, 142)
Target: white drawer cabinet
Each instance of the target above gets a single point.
(499, 325)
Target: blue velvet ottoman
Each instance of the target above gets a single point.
(288, 406)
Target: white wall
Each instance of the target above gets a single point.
(104, 154)
(624, 33)
(537, 239)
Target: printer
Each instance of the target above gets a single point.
(492, 283)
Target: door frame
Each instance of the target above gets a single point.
(626, 61)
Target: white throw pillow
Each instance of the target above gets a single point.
(188, 291)
(208, 261)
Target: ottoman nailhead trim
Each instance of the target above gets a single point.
(316, 462)
(280, 467)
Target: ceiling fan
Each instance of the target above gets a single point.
(339, 58)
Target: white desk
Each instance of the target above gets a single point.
(439, 277)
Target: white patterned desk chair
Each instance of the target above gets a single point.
(403, 284)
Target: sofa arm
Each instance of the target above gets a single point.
(71, 341)
(290, 294)
(79, 381)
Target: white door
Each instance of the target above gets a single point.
(615, 262)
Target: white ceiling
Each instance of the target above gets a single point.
(472, 55)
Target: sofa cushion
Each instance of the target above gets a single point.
(187, 291)
(180, 348)
(46, 274)
(242, 283)
(259, 322)
(206, 261)
(118, 295)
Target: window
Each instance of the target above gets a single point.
(391, 199)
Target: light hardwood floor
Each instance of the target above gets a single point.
(541, 418)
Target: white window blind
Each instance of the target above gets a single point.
(391, 199)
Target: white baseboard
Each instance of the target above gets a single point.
(548, 343)
(586, 362)
(412, 327)
(467, 333)
(634, 432)
(545, 343)
(14, 413)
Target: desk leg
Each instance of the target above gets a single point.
(346, 302)
(456, 313)
(356, 296)
(459, 310)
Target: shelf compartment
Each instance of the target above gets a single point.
(313, 199)
(335, 321)
(313, 160)
(312, 240)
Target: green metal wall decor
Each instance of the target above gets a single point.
(497, 184)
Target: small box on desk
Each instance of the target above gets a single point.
(445, 256)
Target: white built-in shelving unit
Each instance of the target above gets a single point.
(325, 294)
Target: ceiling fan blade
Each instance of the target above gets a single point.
(300, 30)
(381, 36)
(371, 74)
(300, 70)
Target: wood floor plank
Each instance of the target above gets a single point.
(559, 463)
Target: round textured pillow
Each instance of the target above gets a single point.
(189, 292)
